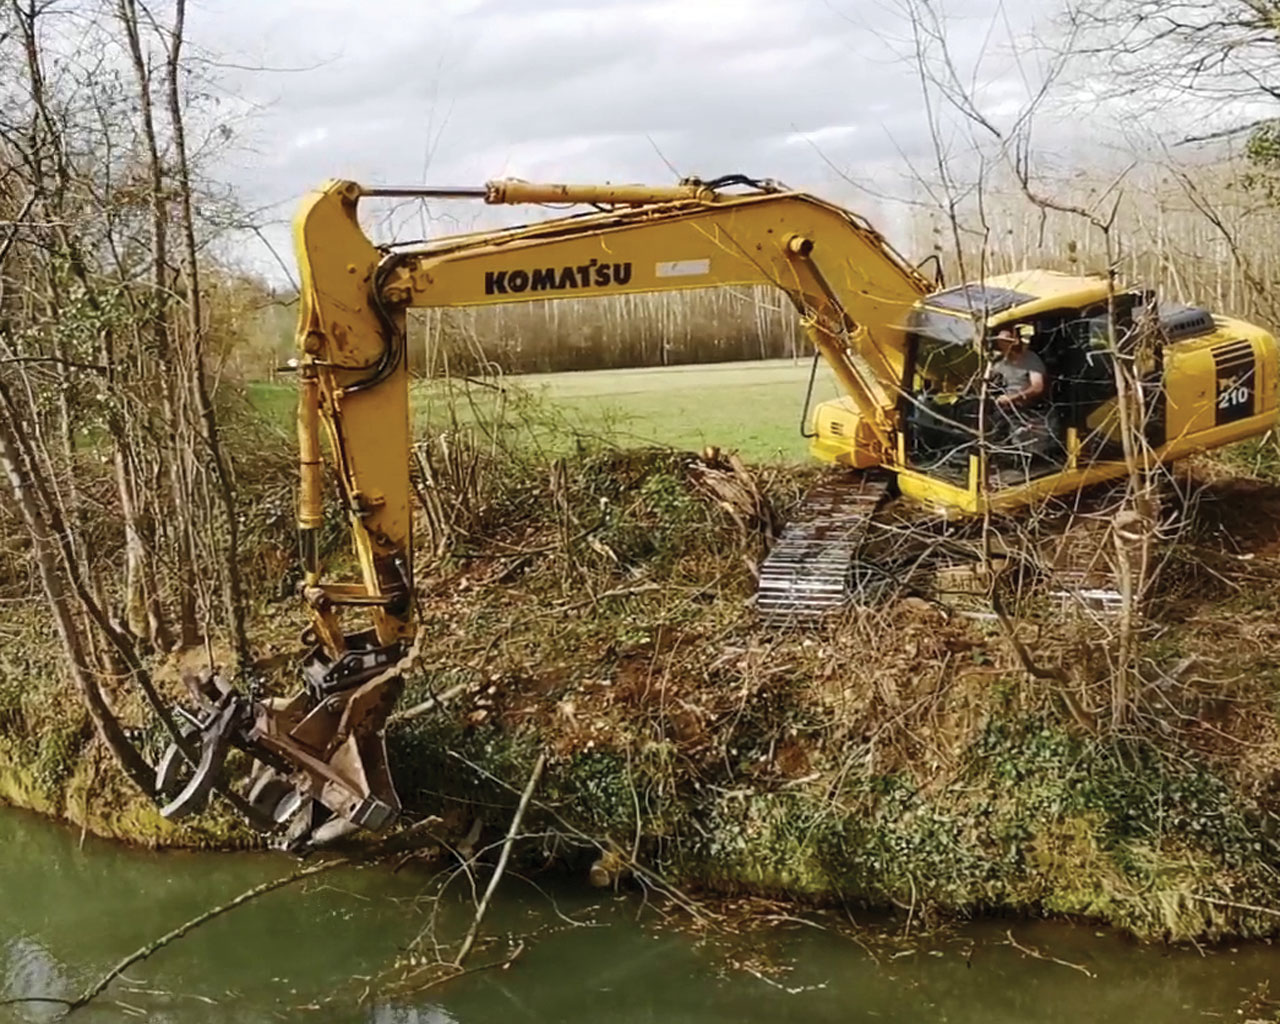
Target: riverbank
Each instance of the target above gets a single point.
(597, 610)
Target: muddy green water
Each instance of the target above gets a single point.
(70, 909)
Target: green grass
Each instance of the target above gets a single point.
(753, 407)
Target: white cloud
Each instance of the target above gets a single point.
(460, 91)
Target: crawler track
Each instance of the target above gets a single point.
(845, 545)
(806, 576)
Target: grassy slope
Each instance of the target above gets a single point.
(753, 407)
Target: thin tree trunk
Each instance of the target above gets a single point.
(19, 475)
(181, 475)
(233, 590)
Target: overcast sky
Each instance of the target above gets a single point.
(461, 91)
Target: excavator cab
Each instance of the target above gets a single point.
(962, 452)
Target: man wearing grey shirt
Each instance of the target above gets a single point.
(1021, 370)
(1025, 403)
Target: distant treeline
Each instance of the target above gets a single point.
(666, 329)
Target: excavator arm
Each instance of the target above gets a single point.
(323, 768)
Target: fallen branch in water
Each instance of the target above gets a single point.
(791, 990)
(252, 894)
(503, 857)
(1031, 951)
(503, 964)
(393, 845)
(448, 970)
(37, 999)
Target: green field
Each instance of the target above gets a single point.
(753, 407)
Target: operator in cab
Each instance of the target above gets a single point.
(1028, 442)
(1021, 372)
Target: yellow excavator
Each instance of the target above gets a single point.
(916, 415)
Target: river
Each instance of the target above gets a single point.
(70, 907)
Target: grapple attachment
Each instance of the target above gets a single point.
(320, 756)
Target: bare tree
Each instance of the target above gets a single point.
(1220, 58)
(110, 437)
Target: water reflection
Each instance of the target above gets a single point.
(308, 953)
(30, 970)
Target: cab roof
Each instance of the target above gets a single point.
(1051, 290)
(1020, 294)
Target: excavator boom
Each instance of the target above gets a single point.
(851, 289)
(322, 764)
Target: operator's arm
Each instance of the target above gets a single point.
(1033, 389)
(1028, 395)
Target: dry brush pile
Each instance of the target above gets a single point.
(943, 758)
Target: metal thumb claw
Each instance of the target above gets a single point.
(215, 741)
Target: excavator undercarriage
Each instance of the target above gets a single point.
(853, 544)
